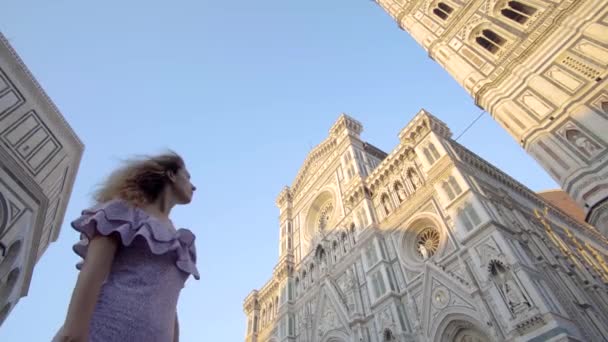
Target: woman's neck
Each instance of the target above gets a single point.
(161, 207)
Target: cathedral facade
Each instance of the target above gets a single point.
(426, 243)
(39, 159)
(539, 68)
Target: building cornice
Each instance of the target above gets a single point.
(54, 114)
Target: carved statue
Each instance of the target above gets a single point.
(584, 144)
(351, 282)
(513, 294)
(385, 204)
(400, 192)
(423, 251)
(508, 287)
(414, 179)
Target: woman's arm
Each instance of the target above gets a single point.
(176, 329)
(96, 267)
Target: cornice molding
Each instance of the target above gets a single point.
(53, 113)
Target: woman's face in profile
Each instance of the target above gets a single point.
(182, 186)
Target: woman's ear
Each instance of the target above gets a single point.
(171, 175)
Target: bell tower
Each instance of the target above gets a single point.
(539, 68)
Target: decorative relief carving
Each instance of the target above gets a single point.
(600, 105)
(580, 140)
(32, 142)
(431, 25)
(465, 32)
(472, 57)
(592, 51)
(11, 207)
(487, 7)
(328, 320)
(508, 287)
(10, 97)
(532, 101)
(440, 297)
(579, 66)
(564, 78)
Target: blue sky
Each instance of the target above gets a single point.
(243, 90)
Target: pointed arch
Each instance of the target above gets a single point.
(490, 39)
(519, 11)
(454, 324)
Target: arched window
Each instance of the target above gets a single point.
(469, 217)
(448, 191)
(490, 41)
(352, 233)
(386, 204)
(344, 242)
(472, 214)
(518, 11)
(443, 10)
(451, 188)
(434, 151)
(431, 153)
(312, 273)
(427, 155)
(455, 186)
(468, 225)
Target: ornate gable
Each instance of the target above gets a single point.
(315, 159)
(440, 295)
(331, 315)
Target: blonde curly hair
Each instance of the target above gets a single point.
(140, 180)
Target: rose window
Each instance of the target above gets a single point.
(427, 243)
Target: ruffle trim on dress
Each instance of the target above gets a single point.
(128, 222)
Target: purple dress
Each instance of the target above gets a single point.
(138, 299)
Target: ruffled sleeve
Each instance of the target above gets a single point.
(119, 218)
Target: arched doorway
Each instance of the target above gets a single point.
(335, 336)
(463, 331)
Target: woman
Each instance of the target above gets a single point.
(135, 261)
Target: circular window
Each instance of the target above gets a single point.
(320, 216)
(427, 243)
